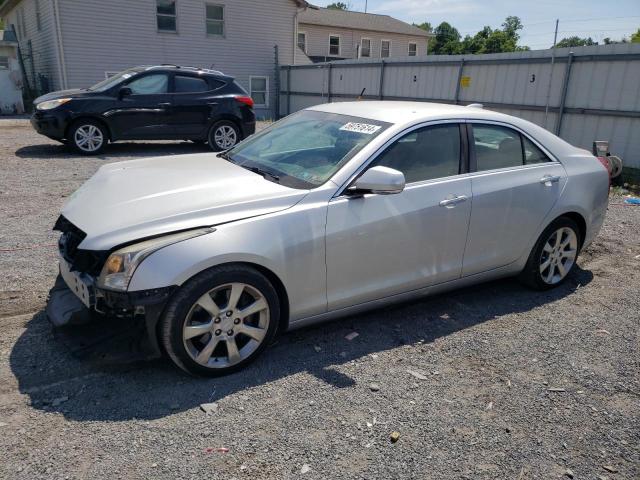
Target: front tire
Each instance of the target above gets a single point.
(223, 135)
(88, 137)
(554, 255)
(220, 321)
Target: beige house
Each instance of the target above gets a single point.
(324, 35)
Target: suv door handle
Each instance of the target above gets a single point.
(549, 179)
(452, 202)
(164, 105)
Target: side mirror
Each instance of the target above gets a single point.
(123, 92)
(381, 180)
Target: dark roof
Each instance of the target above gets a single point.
(358, 21)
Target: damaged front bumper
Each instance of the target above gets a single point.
(75, 300)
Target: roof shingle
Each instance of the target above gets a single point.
(359, 21)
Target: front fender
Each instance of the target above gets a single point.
(290, 244)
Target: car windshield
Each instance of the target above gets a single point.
(306, 149)
(114, 80)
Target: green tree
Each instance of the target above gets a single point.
(575, 42)
(426, 26)
(499, 41)
(339, 6)
(447, 40)
(635, 37)
(511, 26)
(1, 24)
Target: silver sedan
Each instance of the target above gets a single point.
(333, 210)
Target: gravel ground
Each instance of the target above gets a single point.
(494, 381)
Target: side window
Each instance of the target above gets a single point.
(496, 147)
(187, 84)
(150, 84)
(532, 154)
(425, 154)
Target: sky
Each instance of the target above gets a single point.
(597, 19)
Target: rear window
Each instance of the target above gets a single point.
(189, 84)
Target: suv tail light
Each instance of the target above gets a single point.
(245, 100)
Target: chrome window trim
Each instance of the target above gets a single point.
(498, 123)
(388, 143)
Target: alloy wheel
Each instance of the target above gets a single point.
(225, 137)
(226, 325)
(558, 255)
(88, 138)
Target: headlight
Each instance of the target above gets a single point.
(50, 104)
(119, 267)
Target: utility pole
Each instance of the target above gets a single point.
(365, 6)
(553, 61)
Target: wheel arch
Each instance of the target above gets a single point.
(229, 118)
(273, 278)
(88, 117)
(580, 221)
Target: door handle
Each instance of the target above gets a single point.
(549, 179)
(164, 105)
(452, 202)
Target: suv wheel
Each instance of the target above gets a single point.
(223, 135)
(88, 137)
(220, 320)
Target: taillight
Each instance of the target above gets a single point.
(245, 100)
(607, 166)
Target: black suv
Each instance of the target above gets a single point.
(164, 102)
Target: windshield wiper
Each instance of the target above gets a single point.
(225, 155)
(262, 172)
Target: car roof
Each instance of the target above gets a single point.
(400, 113)
(179, 68)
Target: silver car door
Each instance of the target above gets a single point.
(381, 245)
(515, 184)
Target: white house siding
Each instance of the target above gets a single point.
(10, 82)
(43, 44)
(318, 41)
(100, 37)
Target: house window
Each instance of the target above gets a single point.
(413, 49)
(365, 47)
(385, 48)
(166, 15)
(334, 45)
(259, 90)
(4, 63)
(302, 41)
(38, 18)
(215, 20)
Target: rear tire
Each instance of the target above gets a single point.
(553, 256)
(88, 137)
(223, 135)
(220, 320)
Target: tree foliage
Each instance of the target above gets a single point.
(635, 37)
(339, 6)
(487, 40)
(575, 42)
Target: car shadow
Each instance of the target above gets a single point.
(114, 150)
(108, 379)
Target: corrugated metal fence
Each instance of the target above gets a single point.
(590, 93)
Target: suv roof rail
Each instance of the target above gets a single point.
(188, 67)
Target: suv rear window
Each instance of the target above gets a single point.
(188, 84)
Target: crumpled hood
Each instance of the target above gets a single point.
(127, 201)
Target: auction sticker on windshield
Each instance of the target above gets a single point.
(360, 128)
